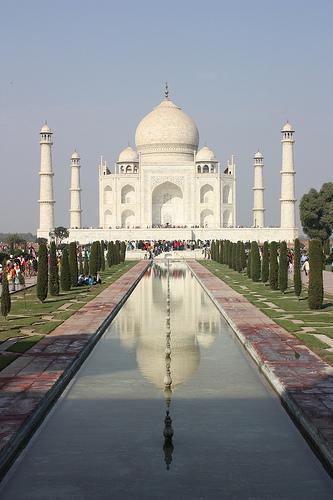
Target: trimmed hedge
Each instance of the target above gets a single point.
(273, 267)
(297, 268)
(65, 274)
(6, 302)
(316, 292)
(42, 273)
(265, 263)
(283, 267)
(255, 262)
(73, 263)
(53, 271)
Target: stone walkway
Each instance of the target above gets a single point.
(303, 381)
(31, 382)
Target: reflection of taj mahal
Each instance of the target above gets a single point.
(167, 188)
(166, 181)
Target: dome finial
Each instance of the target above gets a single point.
(166, 92)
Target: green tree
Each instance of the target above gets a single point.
(243, 255)
(86, 264)
(265, 262)
(42, 273)
(212, 250)
(273, 267)
(109, 254)
(238, 257)
(297, 268)
(99, 255)
(255, 261)
(248, 267)
(230, 254)
(5, 295)
(316, 212)
(221, 251)
(81, 269)
(93, 262)
(122, 251)
(316, 292)
(234, 256)
(53, 271)
(102, 256)
(283, 267)
(59, 233)
(73, 267)
(65, 274)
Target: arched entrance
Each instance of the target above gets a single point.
(167, 205)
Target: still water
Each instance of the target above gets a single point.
(108, 436)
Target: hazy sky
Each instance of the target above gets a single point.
(93, 69)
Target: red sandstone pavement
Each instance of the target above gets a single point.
(31, 382)
(303, 381)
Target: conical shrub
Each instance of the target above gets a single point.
(283, 267)
(93, 261)
(265, 262)
(316, 292)
(248, 265)
(122, 251)
(86, 264)
(102, 256)
(255, 262)
(42, 273)
(53, 271)
(65, 274)
(73, 267)
(297, 268)
(273, 267)
(5, 294)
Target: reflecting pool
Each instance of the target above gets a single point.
(168, 405)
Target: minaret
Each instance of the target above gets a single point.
(75, 210)
(258, 191)
(287, 199)
(46, 198)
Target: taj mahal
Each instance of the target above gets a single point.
(168, 188)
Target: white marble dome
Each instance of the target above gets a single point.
(75, 155)
(167, 128)
(287, 127)
(258, 155)
(128, 155)
(205, 154)
(45, 129)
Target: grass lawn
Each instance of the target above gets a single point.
(285, 309)
(29, 320)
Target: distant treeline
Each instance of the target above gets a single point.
(25, 236)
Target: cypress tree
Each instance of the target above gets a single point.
(86, 264)
(81, 270)
(102, 256)
(316, 292)
(73, 263)
(234, 256)
(122, 251)
(117, 252)
(265, 263)
(53, 271)
(243, 255)
(98, 255)
(65, 273)
(217, 251)
(212, 250)
(283, 267)
(42, 273)
(297, 268)
(109, 254)
(273, 267)
(93, 262)
(248, 266)
(221, 251)
(238, 257)
(230, 254)
(255, 261)
(5, 295)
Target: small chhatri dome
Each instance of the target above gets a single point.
(287, 128)
(258, 155)
(45, 129)
(205, 154)
(128, 155)
(75, 155)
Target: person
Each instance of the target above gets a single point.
(306, 267)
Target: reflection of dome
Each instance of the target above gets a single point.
(185, 359)
(167, 129)
(205, 339)
(128, 155)
(205, 154)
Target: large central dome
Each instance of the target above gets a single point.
(167, 129)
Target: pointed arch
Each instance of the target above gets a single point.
(107, 195)
(206, 194)
(127, 194)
